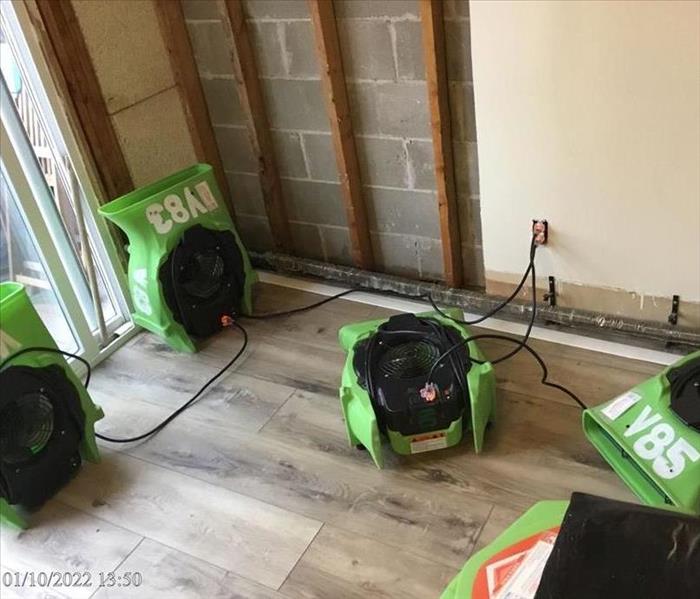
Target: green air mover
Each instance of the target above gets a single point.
(651, 436)
(47, 420)
(540, 518)
(188, 270)
(396, 380)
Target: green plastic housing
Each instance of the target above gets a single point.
(154, 218)
(360, 419)
(540, 517)
(20, 327)
(661, 473)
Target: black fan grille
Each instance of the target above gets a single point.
(26, 425)
(203, 273)
(408, 360)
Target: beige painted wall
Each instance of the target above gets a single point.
(132, 66)
(588, 114)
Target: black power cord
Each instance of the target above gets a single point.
(204, 387)
(503, 304)
(50, 350)
(449, 353)
(303, 308)
(545, 373)
(165, 422)
(231, 362)
(520, 343)
(189, 402)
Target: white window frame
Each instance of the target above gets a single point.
(24, 175)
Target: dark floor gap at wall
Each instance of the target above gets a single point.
(652, 335)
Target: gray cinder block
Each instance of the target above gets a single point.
(430, 259)
(288, 154)
(376, 8)
(276, 9)
(399, 109)
(336, 245)
(418, 257)
(320, 155)
(396, 254)
(314, 202)
(235, 149)
(255, 232)
(246, 193)
(299, 48)
(268, 48)
(223, 102)
(294, 104)
(409, 50)
(402, 109)
(383, 58)
(363, 108)
(422, 163)
(366, 48)
(402, 211)
(307, 240)
(382, 161)
(211, 48)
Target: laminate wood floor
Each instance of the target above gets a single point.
(255, 493)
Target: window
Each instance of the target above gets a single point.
(50, 237)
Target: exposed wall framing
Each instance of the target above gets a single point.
(433, 31)
(68, 46)
(174, 31)
(337, 105)
(253, 105)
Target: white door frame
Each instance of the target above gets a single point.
(36, 202)
(45, 238)
(20, 17)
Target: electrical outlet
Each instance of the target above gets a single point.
(540, 230)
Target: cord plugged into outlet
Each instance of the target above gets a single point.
(540, 231)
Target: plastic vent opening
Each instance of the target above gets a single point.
(26, 425)
(409, 360)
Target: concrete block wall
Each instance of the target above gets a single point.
(382, 55)
(381, 47)
(286, 61)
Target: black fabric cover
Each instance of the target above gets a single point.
(685, 392)
(36, 479)
(398, 359)
(200, 313)
(614, 550)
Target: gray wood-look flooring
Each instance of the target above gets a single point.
(255, 493)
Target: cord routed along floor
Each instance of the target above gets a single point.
(255, 492)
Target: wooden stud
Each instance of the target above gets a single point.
(68, 46)
(177, 41)
(253, 104)
(433, 29)
(338, 108)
